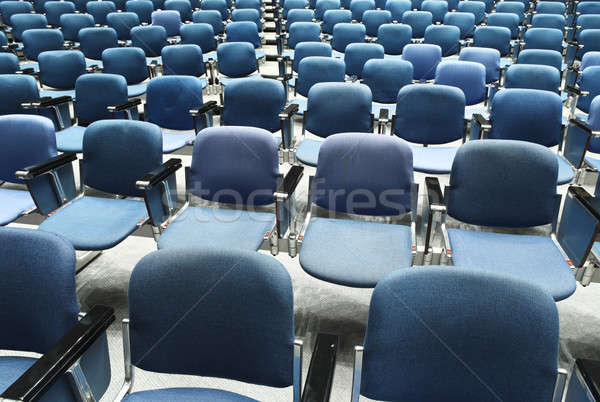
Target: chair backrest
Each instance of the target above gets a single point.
(507, 20)
(398, 8)
(324, 117)
(590, 82)
(38, 289)
(345, 33)
(9, 63)
(100, 9)
(490, 58)
(170, 20)
(437, 8)
(25, 140)
(593, 121)
(446, 37)
(61, 68)
(373, 19)
(308, 49)
(323, 5)
(590, 39)
(143, 9)
(586, 21)
(183, 7)
(36, 41)
(251, 181)
(95, 92)
(248, 4)
(109, 164)
(550, 7)
(468, 76)
(183, 60)
(358, 7)
(418, 21)
(247, 14)
(315, 69)
(254, 103)
(130, 62)
(527, 115)
(293, 5)
(346, 180)
(218, 5)
(541, 56)
(465, 22)
(243, 31)
(386, 77)
(532, 76)
(357, 54)
(122, 22)
(424, 58)
(543, 38)
(239, 290)
(71, 24)
(169, 99)
(418, 123)
(477, 8)
(211, 17)
(303, 32)
(16, 89)
(236, 59)
(514, 7)
(503, 183)
(10, 8)
(407, 337)
(555, 21)
(493, 37)
(3, 39)
(588, 7)
(303, 15)
(333, 17)
(393, 37)
(151, 39)
(23, 22)
(54, 9)
(93, 41)
(589, 59)
(201, 34)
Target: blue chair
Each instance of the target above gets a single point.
(532, 76)
(549, 21)
(211, 17)
(357, 54)
(299, 32)
(248, 189)
(59, 70)
(582, 147)
(393, 38)
(324, 117)
(385, 78)
(588, 42)
(304, 15)
(456, 354)
(48, 323)
(418, 21)
(100, 9)
(143, 9)
(358, 7)
(585, 22)
(203, 35)
(170, 20)
(490, 58)
(398, 8)
(477, 8)
(129, 62)
(353, 252)
(514, 116)
(183, 7)
(469, 77)
(71, 24)
(245, 31)
(25, 141)
(9, 63)
(321, 7)
(22, 22)
(415, 122)
(507, 20)
(249, 14)
(38, 6)
(184, 60)
(495, 38)
(345, 33)
(446, 37)
(218, 5)
(293, 5)
(465, 21)
(8, 8)
(36, 41)
(543, 57)
(514, 7)
(236, 60)
(151, 39)
(312, 70)
(249, 4)
(437, 8)
(122, 22)
(308, 49)
(424, 59)
(274, 362)
(94, 223)
(54, 9)
(512, 184)
(584, 92)
(543, 38)
(94, 41)
(550, 7)
(373, 19)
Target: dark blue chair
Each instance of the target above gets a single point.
(25, 140)
(249, 14)
(550, 21)
(417, 123)
(514, 7)
(532, 76)
(398, 8)
(100, 9)
(151, 39)
(293, 5)
(122, 22)
(357, 54)
(170, 20)
(304, 15)
(424, 58)
(130, 62)
(299, 32)
(333, 17)
(543, 38)
(385, 78)
(9, 63)
(437, 8)
(143, 9)
(418, 21)
(550, 7)
(8, 8)
(507, 20)
(323, 6)
(59, 70)
(22, 22)
(541, 56)
(262, 286)
(307, 49)
(36, 41)
(93, 41)
(407, 337)
(346, 33)
(236, 60)
(446, 37)
(477, 8)
(490, 58)
(184, 60)
(312, 70)
(393, 38)
(469, 77)
(586, 89)
(54, 9)
(203, 35)
(373, 19)
(249, 4)
(496, 38)
(245, 31)
(355, 252)
(211, 17)
(588, 42)
(358, 7)
(218, 5)
(183, 7)
(465, 21)
(71, 24)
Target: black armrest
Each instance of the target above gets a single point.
(51, 164)
(384, 115)
(47, 102)
(286, 77)
(434, 191)
(205, 108)
(124, 106)
(576, 121)
(482, 121)
(576, 91)
(159, 174)
(56, 361)
(28, 71)
(271, 42)
(319, 379)
(290, 182)
(590, 371)
(289, 111)
(273, 57)
(591, 203)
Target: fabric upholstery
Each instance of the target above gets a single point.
(247, 14)
(393, 37)
(507, 20)
(543, 38)
(303, 32)
(490, 58)
(549, 21)
(398, 8)
(170, 98)
(9, 63)
(236, 59)
(17, 89)
(468, 76)
(306, 49)
(97, 91)
(183, 7)
(465, 21)
(308, 151)
(515, 7)
(218, 5)
(437, 8)
(61, 68)
(333, 17)
(243, 31)
(345, 33)
(130, 62)
(424, 59)
(151, 39)
(589, 81)
(183, 60)
(493, 37)
(373, 19)
(170, 20)
(433, 160)
(36, 41)
(22, 22)
(477, 8)
(386, 77)
(122, 22)
(70, 139)
(418, 21)
(100, 9)
(14, 204)
(10, 8)
(446, 37)
(357, 54)
(143, 9)
(533, 77)
(301, 15)
(186, 395)
(541, 56)
(94, 41)
(54, 9)
(201, 34)
(71, 24)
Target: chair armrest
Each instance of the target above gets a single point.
(287, 129)
(159, 174)
(479, 126)
(272, 57)
(434, 192)
(205, 108)
(47, 102)
(28, 71)
(289, 111)
(317, 387)
(44, 167)
(289, 183)
(435, 205)
(61, 356)
(271, 42)
(575, 44)
(573, 90)
(286, 77)
(124, 106)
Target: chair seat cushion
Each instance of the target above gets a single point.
(301, 102)
(92, 223)
(565, 172)
(186, 395)
(215, 227)
(354, 253)
(308, 151)
(434, 160)
(14, 203)
(535, 259)
(174, 140)
(136, 89)
(70, 139)
(57, 93)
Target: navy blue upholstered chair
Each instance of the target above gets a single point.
(385, 78)
(71, 24)
(550, 8)
(393, 38)
(515, 7)
(218, 5)
(490, 58)
(555, 21)
(587, 42)
(298, 32)
(246, 190)
(246, 32)
(211, 17)
(100, 9)
(307, 49)
(354, 252)
(514, 116)
(415, 122)
(418, 21)
(586, 89)
(398, 8)
(373, 19)
(9, 8)
(512, 184)
(477, 8)
(533, 76)
(143, 9)
(184, 60)
(170, 20)
(333, 17)
(203, 35)
(151, 39)
(358, 7)
(95, 223)
(324, 117)
(122, 22)
(40, 315)
(357, 54)
(475, 356)
(93, 41)
(36, 41)
(446, 37)
(507, 20)
(54, 9)
(469, 77)
(346, 33)
(59, 70)
(229, 328)
(543, 38)
(249, 14)
(293, 5)
(437, 8)
(424, 58)
(465, 21)
(183, 7)
(9, 63)
(541, 56)
(236, 60)
(25, 140)
(129, 62)
(496, 38)
(22, 22)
